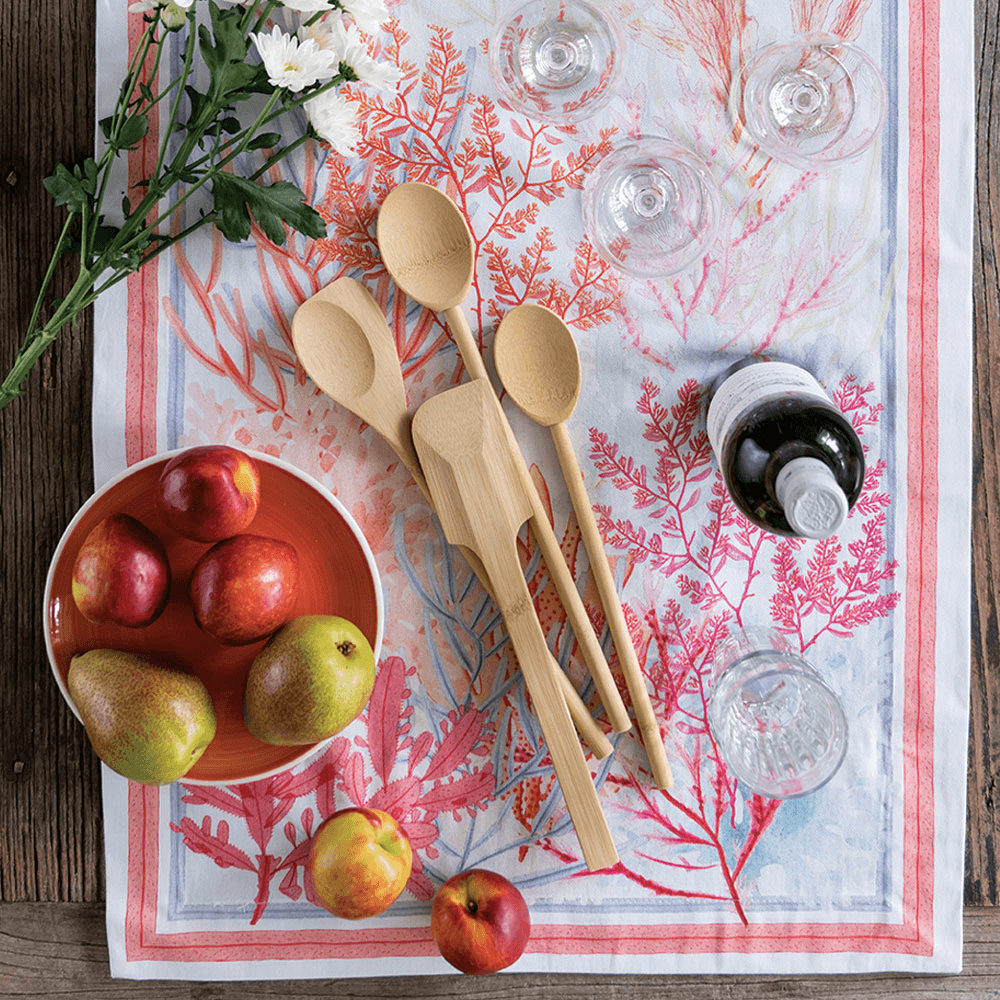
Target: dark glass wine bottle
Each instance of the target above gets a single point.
(791, 461)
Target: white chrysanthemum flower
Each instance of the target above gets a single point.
(307, 6)
(292, 64)
(141, 5)
(351, 47)
(335, 120)
(369, 15)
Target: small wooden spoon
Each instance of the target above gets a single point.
(481, 500)
(539, 366)
(347, 348)
(428, 250)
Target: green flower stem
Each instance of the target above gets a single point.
(37, 342)
(290, 105)
(107, 257)
(50, 272)
(205, 178)
(175, 107)
(262, 20)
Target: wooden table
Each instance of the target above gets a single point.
(51, 854)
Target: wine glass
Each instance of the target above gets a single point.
(650, 207)
(780, 729)
(557, 60)
(813, 102)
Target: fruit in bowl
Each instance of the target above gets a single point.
(121, 574)
(147, 720)
(337, 576)
(359, 862)
(309, 682)
(480, 921)
(209, 492)
(244, 588)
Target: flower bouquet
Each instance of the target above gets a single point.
(263, 60)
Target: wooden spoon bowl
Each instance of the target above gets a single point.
(426, 245)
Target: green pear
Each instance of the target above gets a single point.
(146, 720)
(313, 678)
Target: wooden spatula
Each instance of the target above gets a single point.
(482, 502)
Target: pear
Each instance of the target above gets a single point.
(313, 678)
(147, 720)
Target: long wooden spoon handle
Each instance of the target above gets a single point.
(594, 544)
(571, 768)
(590, 646)
(590, 732)
(467, 347)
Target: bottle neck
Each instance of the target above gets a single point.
(811, 498)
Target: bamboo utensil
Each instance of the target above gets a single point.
(428, 250)
(345, 345)
(481, 499)
(538, 364)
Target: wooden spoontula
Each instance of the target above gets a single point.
(539, 366)
(481, 500)
(428, 250)
(347, 349)
(345, 345)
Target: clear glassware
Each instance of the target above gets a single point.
(557, 60)
(781, 731)
(813, 102)
(650, 207)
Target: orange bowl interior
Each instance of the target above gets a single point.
(335, 578)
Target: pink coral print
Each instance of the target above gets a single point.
(414, 777)
(688, 531)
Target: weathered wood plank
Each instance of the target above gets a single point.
(983, 835)
(59, 950)
(49, 780)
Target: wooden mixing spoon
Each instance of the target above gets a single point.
(347, 349)
(538, 364)
(482, 502)
(428, 250)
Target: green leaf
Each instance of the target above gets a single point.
(214, 59)
(133, 131)
(67, 187)
(273, 206)
(229, 125)
(105, 125)
(197, 100)
(266, 140)
(103, 235)
(89, 176)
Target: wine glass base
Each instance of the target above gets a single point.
(650, 207)
(813, 102)
(558, 56)
(557, 60)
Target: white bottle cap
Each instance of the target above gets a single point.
(811, 497)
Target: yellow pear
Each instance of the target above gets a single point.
(309, 682)
(146, 720)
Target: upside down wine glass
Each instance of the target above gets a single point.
(813, 102)
(557, 60)
(650, 207)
